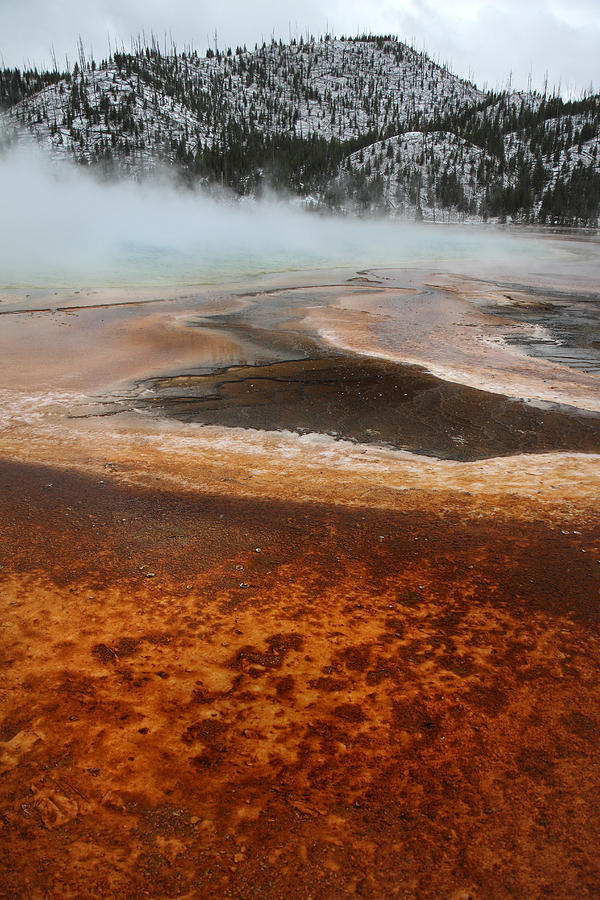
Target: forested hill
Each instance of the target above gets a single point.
(363, 124)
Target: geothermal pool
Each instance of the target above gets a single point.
(300, 559)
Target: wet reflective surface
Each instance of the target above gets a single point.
(566, 327)
(372, 401)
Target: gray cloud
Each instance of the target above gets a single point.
(488, 40)
(495, 41)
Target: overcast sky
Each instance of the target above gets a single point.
(491, 41)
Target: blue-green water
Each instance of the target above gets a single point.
(62, 228)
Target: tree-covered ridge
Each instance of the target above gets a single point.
(16, 85)
(365, 123)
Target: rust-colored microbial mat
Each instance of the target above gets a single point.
(299, 589)
(211, 696)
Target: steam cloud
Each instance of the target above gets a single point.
(61, 226)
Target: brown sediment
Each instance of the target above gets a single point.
(453, 341)
(98, 347)
(373, 401)
(425, 319)
(262, 664)
(215, 696)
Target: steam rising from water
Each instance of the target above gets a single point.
(61, 226)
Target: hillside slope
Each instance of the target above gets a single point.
(361, 124)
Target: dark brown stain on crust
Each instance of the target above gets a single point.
(374, 718)
(374, 401)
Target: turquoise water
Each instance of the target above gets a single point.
(231, 243)
(62, 228)
(280, 239)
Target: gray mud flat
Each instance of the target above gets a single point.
(570, 321)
